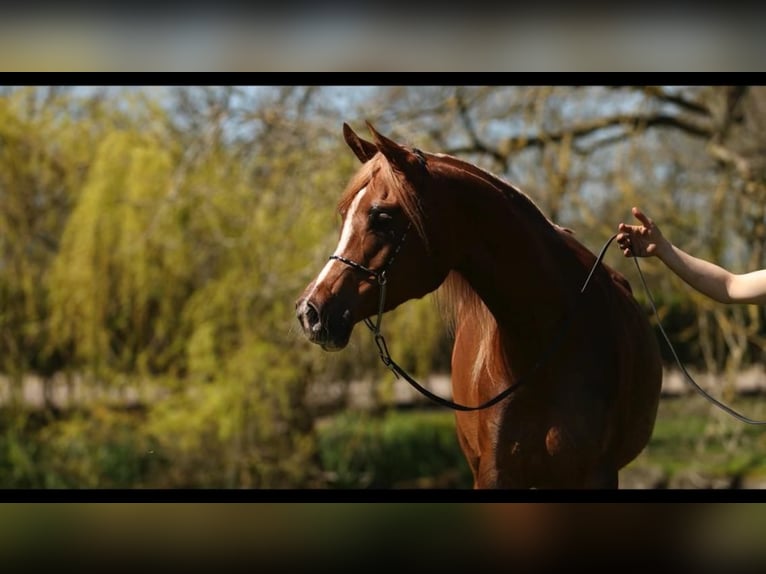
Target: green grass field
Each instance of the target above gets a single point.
(694, 445)
(693, 436)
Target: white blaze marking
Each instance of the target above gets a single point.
(345, 239)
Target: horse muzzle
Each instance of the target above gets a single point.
(328, 325)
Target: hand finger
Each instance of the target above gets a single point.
(629, 229)
(642, 217)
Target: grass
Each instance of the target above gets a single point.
(400, 449)
(414, 449)
(419, 448)
(693, 435)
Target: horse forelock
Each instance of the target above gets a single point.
(378, 174)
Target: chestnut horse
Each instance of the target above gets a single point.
(512, 279)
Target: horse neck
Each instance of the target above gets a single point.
(512, 258)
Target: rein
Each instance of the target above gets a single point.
(385, 357)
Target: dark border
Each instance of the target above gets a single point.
(380, 495)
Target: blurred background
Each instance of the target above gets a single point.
(153, 240)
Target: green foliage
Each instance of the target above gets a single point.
(174, 262)
(240, 429)
(41, 157)
(691, 434)
(419, 338)
(118, 279)
(678, 319)
(362, 451)
(98, 448)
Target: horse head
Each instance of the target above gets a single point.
(384, 239)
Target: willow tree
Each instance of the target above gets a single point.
(45, 147)
(171, 276)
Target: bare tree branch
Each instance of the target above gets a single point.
(729, 157)
(734, 97)
(628, 121)
(678, 100)
(477, 144)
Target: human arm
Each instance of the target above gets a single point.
(708, 278)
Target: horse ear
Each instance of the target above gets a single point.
(363, 149)
(397, 154)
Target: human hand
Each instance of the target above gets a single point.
(640, 240)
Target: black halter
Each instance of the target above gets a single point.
(380, 278)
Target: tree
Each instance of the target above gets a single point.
(44, 151)
(587, 153)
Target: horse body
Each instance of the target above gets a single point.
(512, 278)
(591, 408)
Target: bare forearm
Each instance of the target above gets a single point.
(704, 276)
(708, 278)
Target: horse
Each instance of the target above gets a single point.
(414, 222)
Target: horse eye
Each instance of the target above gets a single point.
(380, 220)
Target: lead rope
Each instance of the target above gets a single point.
(689, 378)
(386, 359)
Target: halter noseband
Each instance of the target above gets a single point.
(379, 274)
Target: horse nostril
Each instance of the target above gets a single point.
(309, 317)
(312, 315)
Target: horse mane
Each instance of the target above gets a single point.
(456, 298)
(378, 171)
(521, 199)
